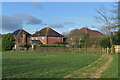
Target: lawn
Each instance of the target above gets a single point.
(0, 44)
(112, 70)
(46, 65)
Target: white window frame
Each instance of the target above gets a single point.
(43, 37)
(36, 38)
(32, 38)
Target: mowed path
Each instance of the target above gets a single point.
(93, 70)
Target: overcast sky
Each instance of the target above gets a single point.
(61, 16)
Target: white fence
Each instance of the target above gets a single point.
(117, 48)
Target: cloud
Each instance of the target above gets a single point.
(53, 25)
(60, 25)
(56, 25)
(11, 23)
(71, 29)
(69, 23)
(37, 4)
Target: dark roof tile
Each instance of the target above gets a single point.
(47, 32)
(20, 32)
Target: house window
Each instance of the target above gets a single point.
(32, 38)
(53, 34)
(43, 37)
(36, 38)
(40, 32)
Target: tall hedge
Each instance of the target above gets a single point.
(7, 42)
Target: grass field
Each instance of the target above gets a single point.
(0, 44)
(49, 65)
(112, 71)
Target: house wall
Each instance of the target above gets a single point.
(28, 39)
(22, 40)
(41, 38)
(52, 40)
(48, 40)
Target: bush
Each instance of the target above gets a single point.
(25, 45)
(51, 45)
(116, 38)
(7, 42)
(105, 42)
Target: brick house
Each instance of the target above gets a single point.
(47, 36)
(91, 33)
(21, 36)
(44, 36)
(83, 31)
(77, 35)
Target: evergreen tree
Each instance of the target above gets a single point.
(116, 38)
(7, 42)
(105, 42)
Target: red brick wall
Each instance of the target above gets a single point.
(22, 40)
(52, 40)
(28, 39)
(48, 40)
(40, 38)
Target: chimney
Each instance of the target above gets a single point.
(86, 30)
(24, 37)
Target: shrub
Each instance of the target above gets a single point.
(7, 42)
(105, 42)
(116, 38)
(25, 45)
(51, 45)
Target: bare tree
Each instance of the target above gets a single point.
(109, 19)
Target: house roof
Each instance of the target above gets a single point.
(91, 33)
(20, 32)
(47, 31)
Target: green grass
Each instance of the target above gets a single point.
(91, 70)
(0, 44)
(52, 65)
(44, 65)
(112, 70)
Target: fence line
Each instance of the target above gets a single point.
(68, 50)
